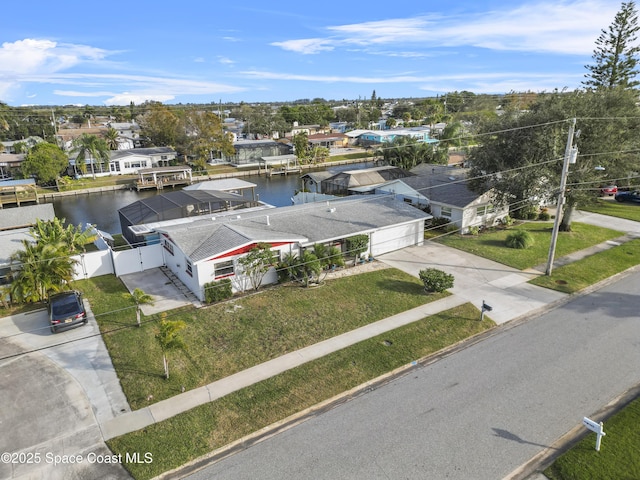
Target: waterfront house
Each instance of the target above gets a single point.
(207, 250)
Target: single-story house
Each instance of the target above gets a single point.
(381, 137)
(132, 160)
(251, 152)
(342, 183)
(128, 134)
(445, 190)
(208, 250)
(328, 140)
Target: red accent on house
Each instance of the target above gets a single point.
(246, 249)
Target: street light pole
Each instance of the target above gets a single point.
(570, 155)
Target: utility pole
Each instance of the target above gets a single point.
(570, 155)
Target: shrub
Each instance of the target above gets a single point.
(435, 280)
(475, 230)
(439, 222)
(507, 221)
(217, 291)
(544, 215)
(519, 239)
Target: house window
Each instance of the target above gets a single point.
(480, 212)
(189, 268)
(491, 208)
(445, 212)
(224, 269)
(167, 246)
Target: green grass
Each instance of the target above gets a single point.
(225, 338)
(491, 244)
(199, 431)
(587, 271)
(630, 211)
(618, 458)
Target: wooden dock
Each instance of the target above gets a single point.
(160, 178)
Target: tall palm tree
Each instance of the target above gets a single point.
(90, 147)
(169, 338)
(54, 231)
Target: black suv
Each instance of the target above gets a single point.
(66, 309)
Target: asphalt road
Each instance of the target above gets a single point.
(478, 414)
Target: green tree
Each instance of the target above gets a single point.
(616, 52)
(169, 338)
(111, 137)
(301, 146)
(257, 263)
(406, 152)
(309, 267)
(160, 126)
(203, 134)
(74, 238)
(139, 297)
(42, 268)
(90, 148)
(523, 161)
(357, 245)
(46, 161)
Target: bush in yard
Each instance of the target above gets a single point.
(435, 280)
(520, 239)
(217, 291)
(544, 215)
(475, 230)
(507, 221)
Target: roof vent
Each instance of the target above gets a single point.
(331, 210)
(268, 220)
(238, 217)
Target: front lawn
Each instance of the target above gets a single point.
(491, 244)
(590, 270)
(630, 211)
(618, 457)
(225, 338)
(203, 429)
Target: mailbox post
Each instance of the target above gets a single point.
(485, 308)
(596, 427)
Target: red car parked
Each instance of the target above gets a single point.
(609, 190)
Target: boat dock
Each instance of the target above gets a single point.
(163, 177)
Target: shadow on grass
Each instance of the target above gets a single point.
(400, 286)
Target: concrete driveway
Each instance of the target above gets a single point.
(477, 279)
(55, 391)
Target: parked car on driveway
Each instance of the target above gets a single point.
(608, 190)
(66, 309)
(628, 196)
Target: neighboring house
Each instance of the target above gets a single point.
(446, 191)
(308, 129)
(10, 163)
(349, 181)
(328, 140)
(131, 161)
(380, 137)
(9, 146)
(14, 228)
(208, 250)
(128, 135)
(252, 152)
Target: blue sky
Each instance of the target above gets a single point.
(112, 53)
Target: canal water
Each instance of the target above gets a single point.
(101, 209)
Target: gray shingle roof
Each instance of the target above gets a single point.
(307, 223)
(25, 216)
(442, 184)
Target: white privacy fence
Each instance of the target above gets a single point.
(106, 262)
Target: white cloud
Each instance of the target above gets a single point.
(225, 60)
(566, 27)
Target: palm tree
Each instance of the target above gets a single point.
(54, 231)
(90, 147)
(44, 268)
(140, 298)
(111, 137)
(169, 338)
